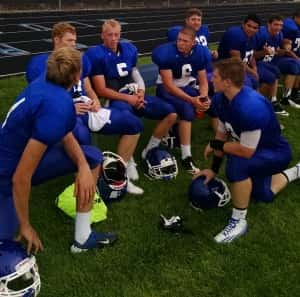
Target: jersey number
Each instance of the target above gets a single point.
(121, 69)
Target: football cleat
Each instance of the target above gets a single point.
(279, 110)
(189, 165)
(293, 102)
(132, 172)
(133, 189)
(173, 224)
(95, 240)
(234, 230)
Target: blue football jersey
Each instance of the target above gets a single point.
(115, 67)
(264, 38)
(291, 31)
(249, 111)
(43, 111)
(201, 35)
(37, 66)
(167, 57)
(236, 39)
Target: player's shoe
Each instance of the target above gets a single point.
(293, 102)
(189, 165)
(232, 231)
(95, 240)
(133, 189)
(279, 110)
(131, 170)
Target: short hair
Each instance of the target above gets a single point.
(59, 29)
(188, 31)
(193, 11)
(275, 17)
(63, 66)
(112, 23)
(233, 69)
(252, 17)
(296, 13)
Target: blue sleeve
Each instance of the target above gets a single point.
(203, 57)
(259, 41)
(161, 59)
(233, 40)
(173, 33)
(288, 29)
(95, 56)
(35, 68)
(86, 66)
(53, 122)
(134, 53)
(205, 31)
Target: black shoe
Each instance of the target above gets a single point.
(189, 165)
(293, 102)
(279, 110)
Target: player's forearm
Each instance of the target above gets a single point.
(177, 92)
(21, 192)
(236, 149)
(74, 150)
(112, 94)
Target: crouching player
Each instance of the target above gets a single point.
(36, 144)
(257, 154)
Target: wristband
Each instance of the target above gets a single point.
(217, 145)
(216, 164)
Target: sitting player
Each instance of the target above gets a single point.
(91, 116)
(182, 83)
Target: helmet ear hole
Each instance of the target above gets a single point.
(161, 164)
(207, 196)
(112, 181)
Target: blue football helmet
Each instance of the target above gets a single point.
(161, 164)
(19, 276)
(112, 182)
(207, 196)
(172, 141)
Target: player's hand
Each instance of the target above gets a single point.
(207, 173)
(207, 151)
(85, 187)
(201, 103)
(95, 105)
(82, 108)
(268, 50)
(215, 54)
(33, 241)
(141, 94)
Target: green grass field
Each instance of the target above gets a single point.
(149, 262)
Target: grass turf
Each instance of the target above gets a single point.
(149, 262)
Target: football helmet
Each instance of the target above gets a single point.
(19, 276)
(207, 196)
(172, 139)
(112, 182)
(161, 164)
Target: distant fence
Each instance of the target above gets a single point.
(8, 5)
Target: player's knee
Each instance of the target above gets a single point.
(133, 125)
(93, 155)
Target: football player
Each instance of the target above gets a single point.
(37, 144)
(291, 35)
(182, 83)
(273, 60)
(115, 76)
(250, 137)
(88, 108)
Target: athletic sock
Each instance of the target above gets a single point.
(287, 93)
(153, 142)
(238, 213)
(292, 173)
(185, 151)
(82, 226)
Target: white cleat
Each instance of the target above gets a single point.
(232, 231)
(131, 170)
(133, 189)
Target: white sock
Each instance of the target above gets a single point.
(131, 161)
(238, 214)
(82, 226)
(185, 151)
(292, 173)
(273, 99)
(287, 93)
(153, 142)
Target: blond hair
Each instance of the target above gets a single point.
(59, 29)
(110, 23)
(64, 66)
